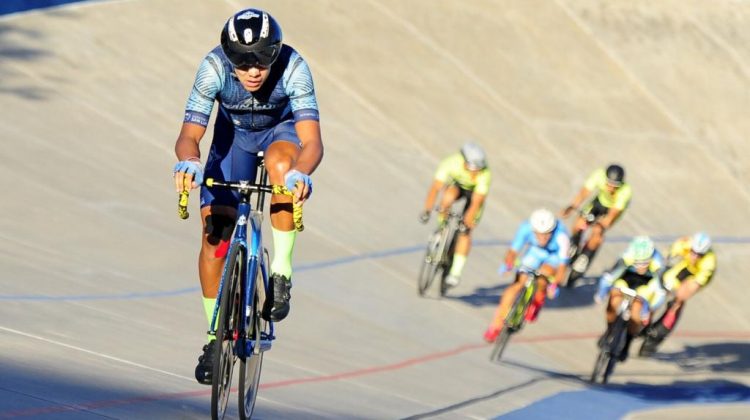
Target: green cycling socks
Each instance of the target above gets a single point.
(208, 306)
(458, 265)
(283, 245)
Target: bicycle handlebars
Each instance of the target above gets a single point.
(242, 186)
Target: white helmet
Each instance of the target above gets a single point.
(474, 156)
(700, 243)
(542, 221)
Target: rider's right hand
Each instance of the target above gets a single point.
(189, 170)
(567, 210)
(424, 217)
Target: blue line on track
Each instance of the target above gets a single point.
(616, 401)
(14, 6)
(326, 264)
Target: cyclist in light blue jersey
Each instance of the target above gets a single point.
(266, 103)
(541, 243)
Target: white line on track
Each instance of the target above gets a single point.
(94, 353)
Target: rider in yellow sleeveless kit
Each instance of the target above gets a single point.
(690, 267)
(612, 198)
(461, 175)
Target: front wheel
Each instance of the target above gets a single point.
(500, 344)
(431, 266)
(226, 332)
(601, 366)
(250, 366)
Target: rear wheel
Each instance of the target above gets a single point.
(226, 332)
(250, 366)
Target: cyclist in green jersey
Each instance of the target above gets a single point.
(460, 175)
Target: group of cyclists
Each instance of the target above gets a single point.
(267, 103)
(542, 245)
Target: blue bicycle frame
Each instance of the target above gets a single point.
(255, 261)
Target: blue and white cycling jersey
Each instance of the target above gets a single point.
(248, 122)
(287, 94)
(555, 253)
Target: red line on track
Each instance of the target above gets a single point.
(344, 375)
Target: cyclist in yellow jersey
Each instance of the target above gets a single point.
(461, 175)
(691, 266)
(613, 197)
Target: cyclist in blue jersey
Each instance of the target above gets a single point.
(266, 103)
(541, 243)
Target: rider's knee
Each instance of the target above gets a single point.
(218, 227)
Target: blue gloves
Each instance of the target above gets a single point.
(605, 284)
(190, 167)
(293, 177)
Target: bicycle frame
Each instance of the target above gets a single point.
(255, 261)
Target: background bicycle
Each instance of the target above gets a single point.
(612, 344)
(578, 266)
(517, 315)
(438, 256)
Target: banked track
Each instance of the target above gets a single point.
(100, 311)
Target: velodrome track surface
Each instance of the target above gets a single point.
(100, 314)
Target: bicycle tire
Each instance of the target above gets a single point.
(225, 332)
(500, 344)
(430, 264)
(512, 323)
(602, 361)
(251, 364)
(447, 260)
(613, 345)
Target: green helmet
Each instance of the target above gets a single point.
(641, 248)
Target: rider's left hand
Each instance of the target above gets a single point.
(299, 184)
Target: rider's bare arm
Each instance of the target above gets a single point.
(312, 146)
(510, 258)
(432, 195)
(577, 200)
(186, 148)
(186, 145)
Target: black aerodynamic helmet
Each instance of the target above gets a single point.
(251, 37)
(615, 174)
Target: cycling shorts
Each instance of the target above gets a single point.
(674, 276)
(233, 156)
(595, 208)
(467, 194)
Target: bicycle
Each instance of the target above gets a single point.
(438, 257)
(613, 343)
(241, 332)
(516, 317)
(576, 267)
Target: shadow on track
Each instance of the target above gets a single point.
(714, 357)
